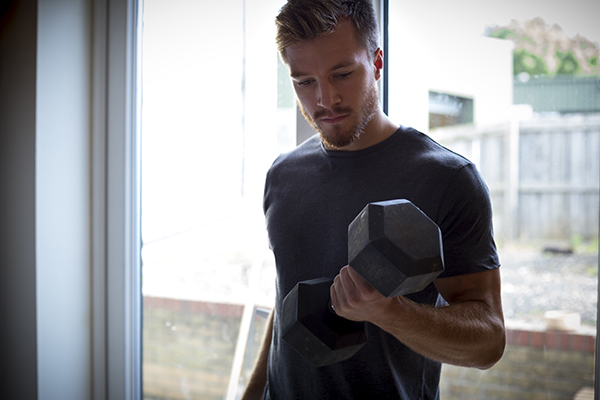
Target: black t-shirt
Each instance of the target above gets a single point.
(312, 194)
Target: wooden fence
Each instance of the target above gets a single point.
(543, 174)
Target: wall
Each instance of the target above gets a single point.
(45, 170)
(18, 38)
(424, 57)
(63, 204)
(189, 346)
(537, 364)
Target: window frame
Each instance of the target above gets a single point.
(116, 240)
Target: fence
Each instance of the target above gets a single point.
(543, 174)
(562, 93)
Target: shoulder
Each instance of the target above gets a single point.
(307, 151)
(427, 149)
(290, 171)
(421, 157)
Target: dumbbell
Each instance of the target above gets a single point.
(395, 247)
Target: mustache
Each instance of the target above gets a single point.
(334, 111)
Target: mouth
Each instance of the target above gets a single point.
(333, 119)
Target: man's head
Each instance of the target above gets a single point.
(330, 49)
(304, 20)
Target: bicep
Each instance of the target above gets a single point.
(480, 286)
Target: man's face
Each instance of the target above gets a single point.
(335, 82)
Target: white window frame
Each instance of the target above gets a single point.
(116, 241)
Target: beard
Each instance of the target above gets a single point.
(338, 138)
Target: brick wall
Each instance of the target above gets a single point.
(548, 365)
(189, 348)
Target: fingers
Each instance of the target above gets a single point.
(346, 281)
(354, 283)
(352, 297)
(355, 277)
(347, 295)
(347, 289)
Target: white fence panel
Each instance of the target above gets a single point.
(543, 174)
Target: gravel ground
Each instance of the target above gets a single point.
(534, 281)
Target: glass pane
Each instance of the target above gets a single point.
(530, 71)
(446, 109)
(210, 92)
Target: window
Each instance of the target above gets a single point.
(217, 110)
(447, 110)
(527, 114)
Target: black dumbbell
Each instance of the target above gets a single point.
(395, 247)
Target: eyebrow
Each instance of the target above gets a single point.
(343, 64)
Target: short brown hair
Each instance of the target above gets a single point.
(304, 20)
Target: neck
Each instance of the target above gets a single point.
(377, 130)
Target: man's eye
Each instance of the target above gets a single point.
(304, 83)
(344, 75)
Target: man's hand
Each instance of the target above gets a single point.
(354, 298)
(468, 332)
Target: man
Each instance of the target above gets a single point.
(314, 192)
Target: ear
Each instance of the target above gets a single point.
(378, 63)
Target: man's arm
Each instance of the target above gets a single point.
(258, 379)
(468, 332)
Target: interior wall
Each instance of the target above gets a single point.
(63, 202)
(45, 229)
(18, 364)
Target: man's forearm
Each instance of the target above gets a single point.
(258, 379)
(468, 334)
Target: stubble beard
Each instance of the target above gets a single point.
(338, 138)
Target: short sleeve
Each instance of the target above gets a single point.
(465, 219)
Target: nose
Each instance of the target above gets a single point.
(328, 95)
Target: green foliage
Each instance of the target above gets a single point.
(528, 39)
(592, 271)
(504, 33)
(534, 57)
(525, 61)
(507, 34)
(567, 63)
(584, 246)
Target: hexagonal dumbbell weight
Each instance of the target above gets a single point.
(395, 247)
(314, 330)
